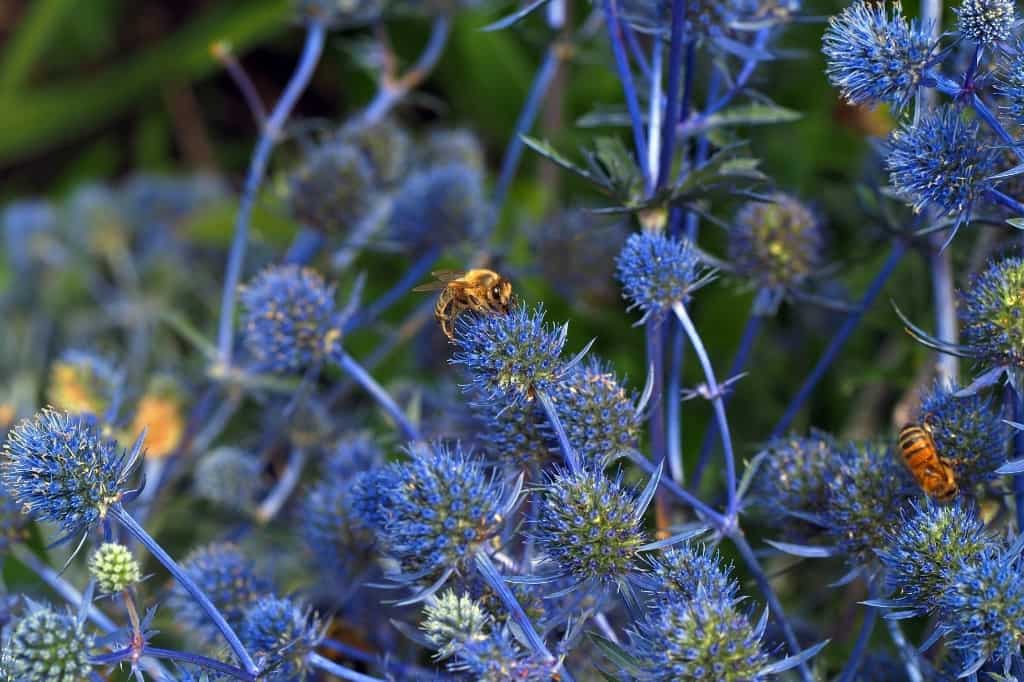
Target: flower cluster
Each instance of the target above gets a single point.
(48, 646)
(993, 329)
(657, 272)
(777, 244)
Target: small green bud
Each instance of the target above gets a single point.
(114, 568)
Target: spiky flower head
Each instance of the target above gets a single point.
(451, 619)
(689, 571)
(981, 611)
(875, 55)
(160, 413)
(931, 541)
(657, 271)
(516, 435)
(12, 521)
(339, 12)
(229, 477)
(941, 161)
(990, 309)
(62, 469)
(866, 493)
(438, 207)
(283, 634)
(705, 639)
(499, 658)
(776, 243)
(114, 568)
(386, 146)
(447, 146)
(440, 507)
(332, 188)
(25, 227)
(1011, 83)
(968, 433)
(289, 318)
(511, 356)
(227, 577)
(81, 383)
(370, 498)
(590, 525)
(48, 646)
(985, 21)
(794, 475)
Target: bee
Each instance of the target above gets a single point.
(932, 472)
(478, 290)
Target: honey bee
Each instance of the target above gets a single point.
(932, 472)
(478, 290)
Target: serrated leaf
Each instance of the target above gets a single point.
(545, 149)
(616, 654)
(754, 113)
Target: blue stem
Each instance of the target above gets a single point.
(257, 170)
(304, 247)
(489, 572)
(986, 115)
(332, 668)
(750, 559)
(402, 287)
(746, 71)
(853, 318)
(1009, 202)
(706, 512)
(716, 403)
(352, 653)
(139, 533)
(675, 65)
(611, 19)
(867, 627)
(634, 49)
(654, 332)
(674, 430)
(571, 458)
(946, 329)
(1017, 406)
(349, 365)
(527, 117)
(196, 659)
(739, 362)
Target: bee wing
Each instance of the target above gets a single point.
(447, 275)
(431, 286)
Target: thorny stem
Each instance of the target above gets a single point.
(571, 458)
(717, 404)
(349, 365)
(867, 627)
(202, 661)
(611, 19)
(140, 534)
(853, 318)
(739, 362)
(257, 170)
(754, 566)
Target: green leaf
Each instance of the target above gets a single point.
(29, 42)
(545, 149)
(34, 120)
(755, 113)
(616, 654)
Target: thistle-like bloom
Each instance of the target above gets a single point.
(990, 308)
(517, 434)
(228, 477)
(590, 526)
(12, 521)
(510, 356)
(866, 493)
(81, 383)
(657, 271)
(941, 161)
(332, 189)
(499, 658)
(777, 244)
(687, 571)
(982, 609)
(289, 318)
(439, 508)
(283, 634)
(48, 646)
(968, 433)
(794, 475)
(62, 469)
(114, 568)
(452, 619)
(874, 56)
(705, 639)
(370, 490)
(386, 146)
(931, 542)
(228, 578)
(985, 21)
(439, 207)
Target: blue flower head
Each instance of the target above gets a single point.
(930, 541)
(992, 311)
(876, 56)
(866, 493)
(498, 657)
(658, 271)
(688, 572)
(48, 646)
(589, 525)
(451, 619)
(438, 508)
(332, 189)
(968, 432)
(451, 146)
(516, 434)
(1011, 83)
(441, 206)
(386, 146)
(942, 161)
(981, 611)
(704, 639)
(62, 469)
(227, 577)
(369, 498)
(510, 356)
(289, 318)
(794, 476)
(282, 634)
(985, 21)
(228, 476)
(163, 202)
(775, 243)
